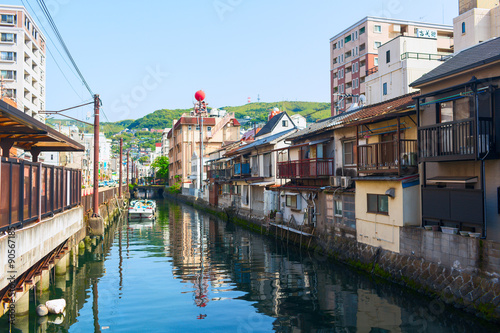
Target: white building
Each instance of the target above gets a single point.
(22, 60)
(104, 155)
(402, 60)
(478, 21)
(165, 142)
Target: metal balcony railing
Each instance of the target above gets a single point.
(383, 157)
(306, 168)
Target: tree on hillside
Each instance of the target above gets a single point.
(160, 165)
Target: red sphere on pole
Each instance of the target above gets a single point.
(199, 95)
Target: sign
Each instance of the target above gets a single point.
(427, 33)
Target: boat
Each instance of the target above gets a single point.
(142, 210)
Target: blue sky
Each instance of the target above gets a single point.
(144, 56)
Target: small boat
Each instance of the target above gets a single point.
(142, 210)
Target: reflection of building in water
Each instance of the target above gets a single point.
(375, 313)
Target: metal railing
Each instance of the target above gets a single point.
(306, 168)
(372, 70)
(31, 191)
(383, 157)
(220, 173)
(456, 139)
(104, 196)
(424, 56)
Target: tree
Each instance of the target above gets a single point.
(160, 165)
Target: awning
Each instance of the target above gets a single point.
(305, 144)
(19, 130)
(263, 183)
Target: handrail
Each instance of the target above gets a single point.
(423, 56)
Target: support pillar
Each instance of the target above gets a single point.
(35, 152)
(61, 266)
(22, 304)
(6, 144)
(44, 283)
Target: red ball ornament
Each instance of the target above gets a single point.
(199, 95)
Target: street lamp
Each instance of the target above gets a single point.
(200, 107)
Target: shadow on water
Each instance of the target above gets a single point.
(189, 271)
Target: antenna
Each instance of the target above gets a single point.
(258, 98)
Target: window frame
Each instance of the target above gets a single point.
(336, 203)
(387, 56)
(384, 89)
(291, 205)
(378, 198)
(377, 28)
(351, 152)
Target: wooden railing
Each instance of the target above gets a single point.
(383, 157)
(31, 191)
(306, 168)
(456, 140)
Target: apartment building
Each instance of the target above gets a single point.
(354, 53)
(478, 21)
(22, 60)
(184, 140)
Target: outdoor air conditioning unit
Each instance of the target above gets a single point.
(345, 182)
(335, 181)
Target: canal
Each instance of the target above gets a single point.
(191, 272)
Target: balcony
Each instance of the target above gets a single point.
(220, 174)
(456, 140)
(306, 168)
(383, 157)
(372, 70)
(241, 169)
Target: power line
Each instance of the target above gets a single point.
(52, 24)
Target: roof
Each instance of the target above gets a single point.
(27, 133)
(361, 114)
(271, 124)
(266, 140)
(466, 59)
(194, 121)
(158, 144)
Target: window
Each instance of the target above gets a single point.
(375, 61)
(8, 56)
(341, 88)
(355, 51)
(268, 165)
(388, 56)
(334, 46)
(7, 37)
(348, 54)
(377, 45)
(209, 128)
(355, 67)
(341, 43)
(8, 75)
(244, 195)
(190, 128)
(341, 73)
(337, 208)
(293, 201)
(284, 123)
(348, 153)
(226, 188)
(384, 88)
(10, 93)
(355, 83)
(463, 27)
(362, 31)
(378, 203)
(197, 127)
(8, 19)
(362, 47)
(347, 39)
(377, 28)
(355, 35)
(341, 58)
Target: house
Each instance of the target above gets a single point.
(459, 141)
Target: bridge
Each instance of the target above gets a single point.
(148, 191)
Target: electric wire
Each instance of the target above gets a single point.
(52, 24)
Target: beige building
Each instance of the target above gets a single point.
(402, 60)
(478, 21)
(22, 60)
(354, 53)
(184, 140)
(459, 142)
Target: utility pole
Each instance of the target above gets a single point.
(120, 172)
(128, 160)
(201, 149)
(95, 204)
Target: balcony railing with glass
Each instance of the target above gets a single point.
(306, 168)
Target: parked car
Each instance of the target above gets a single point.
(112, 183)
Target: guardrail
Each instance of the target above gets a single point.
(31, 191)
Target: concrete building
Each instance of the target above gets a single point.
(104, 156)
(354, 53)
(165, 143)
(478, 21)
(185, 139)
(402, 60)
(22, 60)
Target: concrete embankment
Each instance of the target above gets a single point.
(456, 270)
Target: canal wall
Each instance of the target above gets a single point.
(460, 271)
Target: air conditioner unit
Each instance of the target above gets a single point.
(335, 181)
(345, 182)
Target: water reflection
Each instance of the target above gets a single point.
(191, 272)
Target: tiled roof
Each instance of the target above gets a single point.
(469, 58)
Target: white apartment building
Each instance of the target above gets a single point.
(165, 142)
(105, 168)
(354, 53)
(478, 21)
(22, 60)
(401, 61)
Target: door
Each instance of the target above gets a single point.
(387, 151)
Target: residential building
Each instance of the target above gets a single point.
(478, 21)
(22, 60)
(165, 142)
(185, 139)
(354, 53)
(104, 156)
(402, 60)
(459, 141)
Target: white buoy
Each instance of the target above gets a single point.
(56, 306)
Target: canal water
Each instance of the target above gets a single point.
(191, 272)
